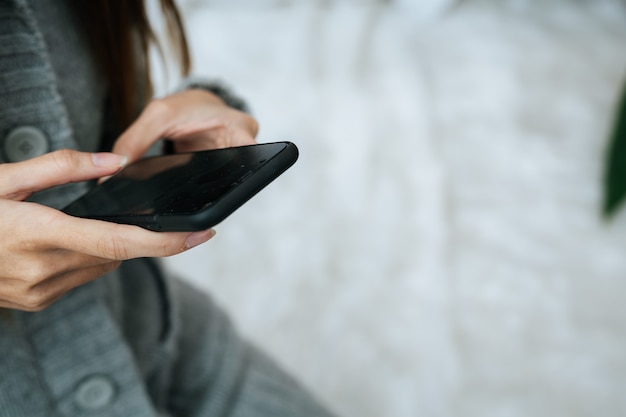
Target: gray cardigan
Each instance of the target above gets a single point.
(135, 342)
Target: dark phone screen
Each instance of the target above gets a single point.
(174, 184)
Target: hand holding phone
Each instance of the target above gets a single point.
(186, 192)
(49, 253)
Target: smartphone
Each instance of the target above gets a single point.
(185, 192)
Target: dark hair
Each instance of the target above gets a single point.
(121, 34)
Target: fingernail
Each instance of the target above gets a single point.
(106, 159)
(197, 238)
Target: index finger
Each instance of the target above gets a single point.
(162, 118)
(20, 179)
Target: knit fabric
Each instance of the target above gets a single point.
(76, 72)
(152, 344)
(28, 90)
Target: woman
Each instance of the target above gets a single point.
(90, 324)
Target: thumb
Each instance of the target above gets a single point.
(20, 179)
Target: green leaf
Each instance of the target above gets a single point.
(615, 175)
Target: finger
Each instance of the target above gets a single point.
(20, 179)
(57, 286)
(220, 137)
(242, 137)
(149, 127)
(159, 121)
(9, 305)
(42, 265)
(57, 230)
(119, 241)
(42, 295)
(228, 126)
(180, 116)
(66, 260)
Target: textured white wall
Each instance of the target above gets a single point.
(437, 250)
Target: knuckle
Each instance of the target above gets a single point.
(35, 299)
(158, 108)
(113, 248)
(35, 273)
(48, 218)
(243, 122)
(64, 159)
(253, 125)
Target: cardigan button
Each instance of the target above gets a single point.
(95, 392)
(24, 143)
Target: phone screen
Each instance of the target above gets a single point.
(182, 184)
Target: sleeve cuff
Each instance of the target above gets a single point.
(219, 89)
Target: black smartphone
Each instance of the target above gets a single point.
(185, 192)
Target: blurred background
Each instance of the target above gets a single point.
(438, 249)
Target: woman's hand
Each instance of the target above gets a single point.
(193, 119)
(44, 253)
